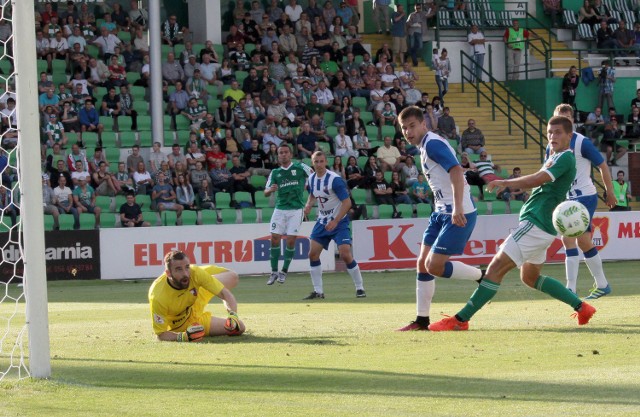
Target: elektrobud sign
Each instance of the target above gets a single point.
(75, 1)
(68, 254)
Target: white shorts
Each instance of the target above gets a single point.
(286, 222)
(528, 243)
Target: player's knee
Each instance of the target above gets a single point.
(435, 267)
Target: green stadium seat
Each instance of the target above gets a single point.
(406, 210)
(138, 92)
(229, 215)
(106, 203)
(360, 195)
(182, 123)
(169, 138)
(66, 221)
(249, 215)
(325, 147)
(262, 201)
(132, 77)
(152, 217)
(169, 218)
(166, 122)
(332, 131)
(387, 176)
(361, 103)
(208, 217)
(42, 65)
(142, 107)
(109, 139)
(372, 132)
(366, 116)
(258, 181)
(87, 221)
(124, 36)
(109, 220)
(388, 131)
(146, 138)
(516, 206)
(144, 122)
(113, 156)
(48, 221)
(385, 211)
(124, 123)
(266, 213)
(249, 47)
(99, 92)
(144, 201)
(120, 200)
(164, 50)
(107, 122)
(424, 210)
(219, 49)
(329, 119)
(482, 208)
(127, 139)
(90, 140)
(499, 207)
(490, 196)
(72, 137)
(59, 67)
(240, 76)
(242, 196)
(222, 200)
(189, 217)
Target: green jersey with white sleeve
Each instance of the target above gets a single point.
(291, 183)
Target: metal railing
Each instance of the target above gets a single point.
(518, 113)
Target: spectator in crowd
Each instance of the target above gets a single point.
(75, 156)
(107, 43)
(103, 180)
(416, 28)
(198, 175)
(552, 8)
(122, 180)
(69, 118)
(604, 36)
(388, 156)
(185, 195)
(111, 104)
(241, 175)
(54, 130)
(633, 124)
(472, 140)
(400, 193)
(383, 193)
(178, 101)
(486, 168)
(625, 39)
(515, 38)
(587, 14)
(89, 119)
(164, 197)
(602, 12)
(420, 191)
(447, 126)
(84, 198)
(254, 159)
(410, 171)
(477, 40)
(442, 65)
(172, 32)
(156, 158)
(594, 125)
(172, 71)
(143, 180)
(131, 213)
(134, 159)
(343, 144)
(49, 202)
(623, 193)
(381, 15)
(176, 156)
(137, 16)
(607, 78)
(516, 193)
(570, 84)
(222, 181)
(79, 174)
(398, 32)
(64, 198)
(612, 132)
(370, 170)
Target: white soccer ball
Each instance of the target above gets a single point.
(571, 218)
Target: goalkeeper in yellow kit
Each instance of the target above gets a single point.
(178, 298)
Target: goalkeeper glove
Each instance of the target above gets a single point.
(232, 325)
(194, 333)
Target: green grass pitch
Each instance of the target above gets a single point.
(523, 356)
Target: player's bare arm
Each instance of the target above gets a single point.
(456, 174)
(526, 182)
(311, 201)
(270, 190)
(344, 209)
(605, 174)
(228, 300)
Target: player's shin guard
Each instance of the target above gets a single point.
(481, 296)
(354, 271)
(555, 289)
(459, 270)
(316, 276)
(274, 256)
(594, 263)
(571, 265)
(288, 256)
(425, 288)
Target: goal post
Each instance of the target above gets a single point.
(30, 181)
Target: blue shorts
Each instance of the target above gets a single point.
(590, 202)
(341, 234)
(445, 237)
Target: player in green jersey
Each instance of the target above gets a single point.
(289, 180)
(526, 247)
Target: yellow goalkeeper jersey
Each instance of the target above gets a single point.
(171, 308)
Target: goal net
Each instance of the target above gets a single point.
(24, 340)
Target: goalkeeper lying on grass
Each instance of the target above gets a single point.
(178, 298)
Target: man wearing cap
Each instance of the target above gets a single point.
(55, 132)
(196, 86)
(190, 66)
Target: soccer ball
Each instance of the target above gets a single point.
(571, 218)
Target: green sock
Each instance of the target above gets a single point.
(288, 257)
(275, 255)
(481, 296)
(558, 291)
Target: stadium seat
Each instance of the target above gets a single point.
(106, 203)
(387, 176)
(444, 20)
(138, 92)
(109, 139)
(406, 210)
(182, 123)
(125, 123)
(249, 215)
(127, 139)
(189, 217)
(124, 36)
(146, 138)
(241, 196)
(360, 195)
(229, 215)
(152, 217)
(113, 156)
(490, 196)
(109, 219)
(90, 140)
(142, 107)
(265, 214)
(372, 132)
(482, 208)
(209, 217)
(87, 221)
(516, 205)
(570, 19)
(164, 50)
(366, 116)
(169, 218)
(144, 200)
(258, 181)
(388, 131)
(249, 47)
(132, 77)
(460, 19)
(424, 210)
(325, 147)
(107, 122)
(262, 201)
(66, 222)
(48, 222)
(144, 122)
(385, 211)
(240, 76)
(329, 118)
(120, 200)
(332, 131)
(359, 102)
(498, 207)
(169, 138)
(222, 199)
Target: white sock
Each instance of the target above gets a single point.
(316, 278)
(571, 266)
(356, 276)
(424, 295)
(466, 272)
(595, 266)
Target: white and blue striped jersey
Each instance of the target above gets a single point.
(438, 157)
(586, 155)
(329, 191)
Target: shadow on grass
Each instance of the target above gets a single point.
(114, 374)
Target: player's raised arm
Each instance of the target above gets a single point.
(526, 182)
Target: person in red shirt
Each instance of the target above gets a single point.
(215, 154)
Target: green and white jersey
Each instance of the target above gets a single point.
(539, 207)
(291, 182)
(55, 129)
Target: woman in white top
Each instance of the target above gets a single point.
(443, 69)
(343, 144)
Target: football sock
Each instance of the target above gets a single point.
(571, 265)
(274, 257)
(481, 296)
(316, 276)
(354, 271)
(288, 256)
(459, 270)
(555, 289)
(594, 263)
(425, 288)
